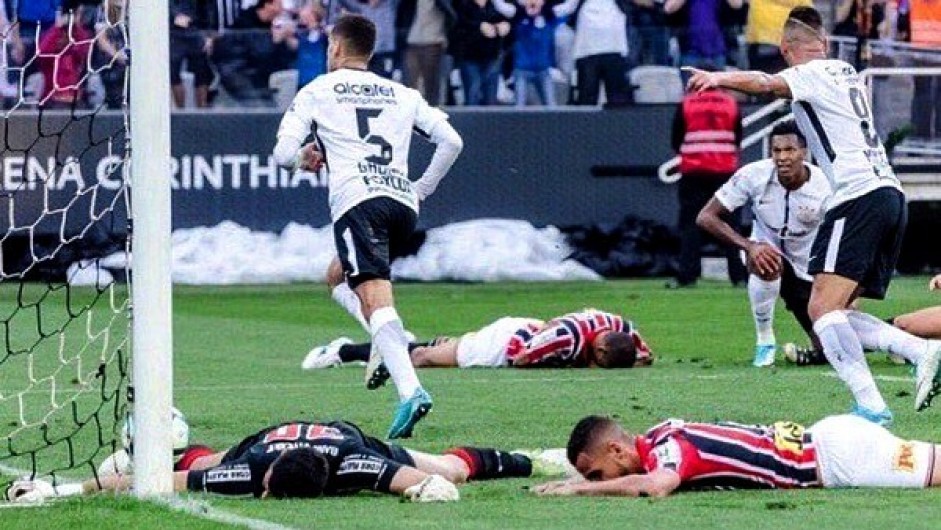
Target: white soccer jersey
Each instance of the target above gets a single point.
(363, 124)
(786, 219)
(832, 109)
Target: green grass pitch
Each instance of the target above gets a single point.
(237, 368)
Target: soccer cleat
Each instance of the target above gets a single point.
(883, 418)
(376, 372)
(764, 355)
(408, 413)
(803, 356)
(548, 462)
(325, 356)
(927, 384)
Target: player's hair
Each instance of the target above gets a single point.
(358, 34)
(804, 21)
(299, 473)
(787, 127)
(586, 434)
(619, 350)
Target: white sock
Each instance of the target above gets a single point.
(845, 353)
(348, 299)
(762, 296)
(874, 334)
(388, 336)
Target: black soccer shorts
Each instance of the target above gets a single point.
(365, 235)
(861, 240)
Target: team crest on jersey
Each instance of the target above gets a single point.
(904, 457)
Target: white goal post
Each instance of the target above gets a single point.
(151, 286)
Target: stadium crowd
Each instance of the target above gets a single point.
(473, 52)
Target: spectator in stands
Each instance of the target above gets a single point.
(534, 24)
(382, 13)
(109, 57)
(259, 44)
(702, 42)
(63, 55)
(926, 103)
(707, 132)
(763, 33)
(312, 43)
(600, 50)
(649, 35)
(9, 91)
(477, 45)
(191, 41)
(423, 26)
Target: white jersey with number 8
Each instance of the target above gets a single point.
(832, 109)
(363, 123)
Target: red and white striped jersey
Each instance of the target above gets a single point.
(731, 455)
(566, 340)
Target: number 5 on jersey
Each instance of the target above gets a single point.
(363, 115)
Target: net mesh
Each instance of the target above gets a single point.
(64, 220)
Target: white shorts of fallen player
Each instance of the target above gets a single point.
(855, 453)
(487, 346)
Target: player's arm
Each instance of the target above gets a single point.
(295, 126)
(710, 220)
(38, 489)
(657, 483)
(935, 283)
(368, 470)
(433, 125)
(756, 83)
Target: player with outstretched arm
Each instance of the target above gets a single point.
(843, 451)
(362, 126)
(311, 459)
(858, 243)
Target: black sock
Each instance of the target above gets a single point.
(485, 464)
(354, 352)
(360, 352)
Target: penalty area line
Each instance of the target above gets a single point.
(204, 510)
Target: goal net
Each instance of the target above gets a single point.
(64, 237)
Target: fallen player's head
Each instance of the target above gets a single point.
(804, 38)
(614, 349)
(297, 473)
(352, 38)
(600, 449)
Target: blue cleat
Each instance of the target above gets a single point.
(408, 413)
(883, 418)
(764, 355)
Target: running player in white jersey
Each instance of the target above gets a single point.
(787, 197)
(362, 125)
(858, 243)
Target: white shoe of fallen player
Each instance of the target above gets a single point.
(325, 356)
(927, 382)
(548, 462)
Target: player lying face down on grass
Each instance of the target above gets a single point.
(307, 460)
(843, 451)
(589, 338)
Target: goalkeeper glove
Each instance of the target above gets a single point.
(434, 488)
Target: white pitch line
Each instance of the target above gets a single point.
(204, 510)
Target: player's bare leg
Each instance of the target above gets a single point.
(442, 354)
(925, 323)
(829, 298)
(342, 294)
(391, 346)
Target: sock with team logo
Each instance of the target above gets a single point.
(485, 464)
(874, 334)
(345, 296)
(843, 349)
(388, 334)
(360, 352)
(762, 296)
